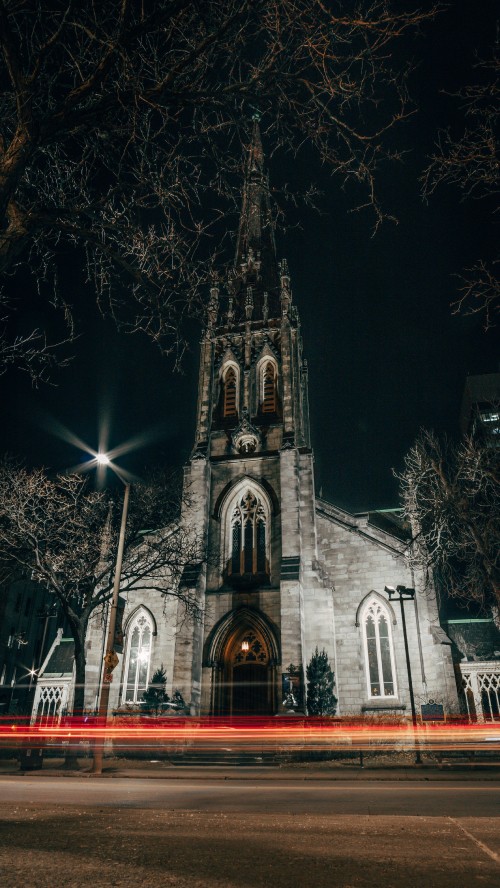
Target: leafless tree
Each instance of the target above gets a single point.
(121, 123)
(471, 162)
(30, 353)
(451, 498)
(63, 535)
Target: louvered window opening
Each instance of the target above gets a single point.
(269, 389)
(230, 392)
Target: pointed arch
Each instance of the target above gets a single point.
(231, 487)
(267, 384)
(230, 384)
(246, 531)
(242, 619)
(139, 633)
(385, 602)
(375, 615)
(132, 615)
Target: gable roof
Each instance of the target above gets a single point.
(60, 660)
(381, 528)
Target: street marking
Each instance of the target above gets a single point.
(494, 856)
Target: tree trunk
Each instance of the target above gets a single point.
(80, 662)
(78, 631)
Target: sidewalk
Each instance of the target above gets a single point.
(304, 771)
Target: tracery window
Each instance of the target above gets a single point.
(138, 657)
(269, 388)
(248, 536)
(50, 701)
(379, 650)
(230, 391)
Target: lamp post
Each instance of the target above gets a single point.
(110, 656)
(405, 594)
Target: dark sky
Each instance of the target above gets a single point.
(385, 355)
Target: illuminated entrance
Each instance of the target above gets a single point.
(242, 652)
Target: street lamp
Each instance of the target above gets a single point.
(406, 594)
(110, 656)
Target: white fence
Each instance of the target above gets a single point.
(481, 690)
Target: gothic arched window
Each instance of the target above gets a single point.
(269, 395)
(138, 656)
(249, 530)
(379, 650)
(230, 392)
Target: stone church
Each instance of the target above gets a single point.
(285, 571)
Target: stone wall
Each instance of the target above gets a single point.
(358, 560)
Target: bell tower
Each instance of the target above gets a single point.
(250, 478)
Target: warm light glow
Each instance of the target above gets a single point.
(245, 646)
(103, 459)
(248, 734)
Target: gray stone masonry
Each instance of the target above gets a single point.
(356, 566)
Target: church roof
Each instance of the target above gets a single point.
(377, 527)
(61, 659)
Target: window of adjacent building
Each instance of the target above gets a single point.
(230, 391)
(248, 536)
(379, 651)
(269, 387)
(491, 420)
(138, 657)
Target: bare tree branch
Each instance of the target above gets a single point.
(451, 498)
(471, 162)
(64, 535)
(122, 123)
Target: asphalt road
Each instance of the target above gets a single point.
(248, 834)
(394, 798)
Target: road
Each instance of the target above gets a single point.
(247, 834)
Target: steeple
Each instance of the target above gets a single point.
(252, 396)
(254, 281)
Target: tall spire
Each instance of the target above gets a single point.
(256, 264)
(255, 205)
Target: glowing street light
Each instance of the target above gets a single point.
(103, 459)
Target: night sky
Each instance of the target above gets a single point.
(385, 355)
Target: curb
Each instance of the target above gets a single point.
(256, 773)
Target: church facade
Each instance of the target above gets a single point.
(284, 572)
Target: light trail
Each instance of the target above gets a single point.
(172, 734)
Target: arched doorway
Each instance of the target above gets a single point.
(242, 651)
